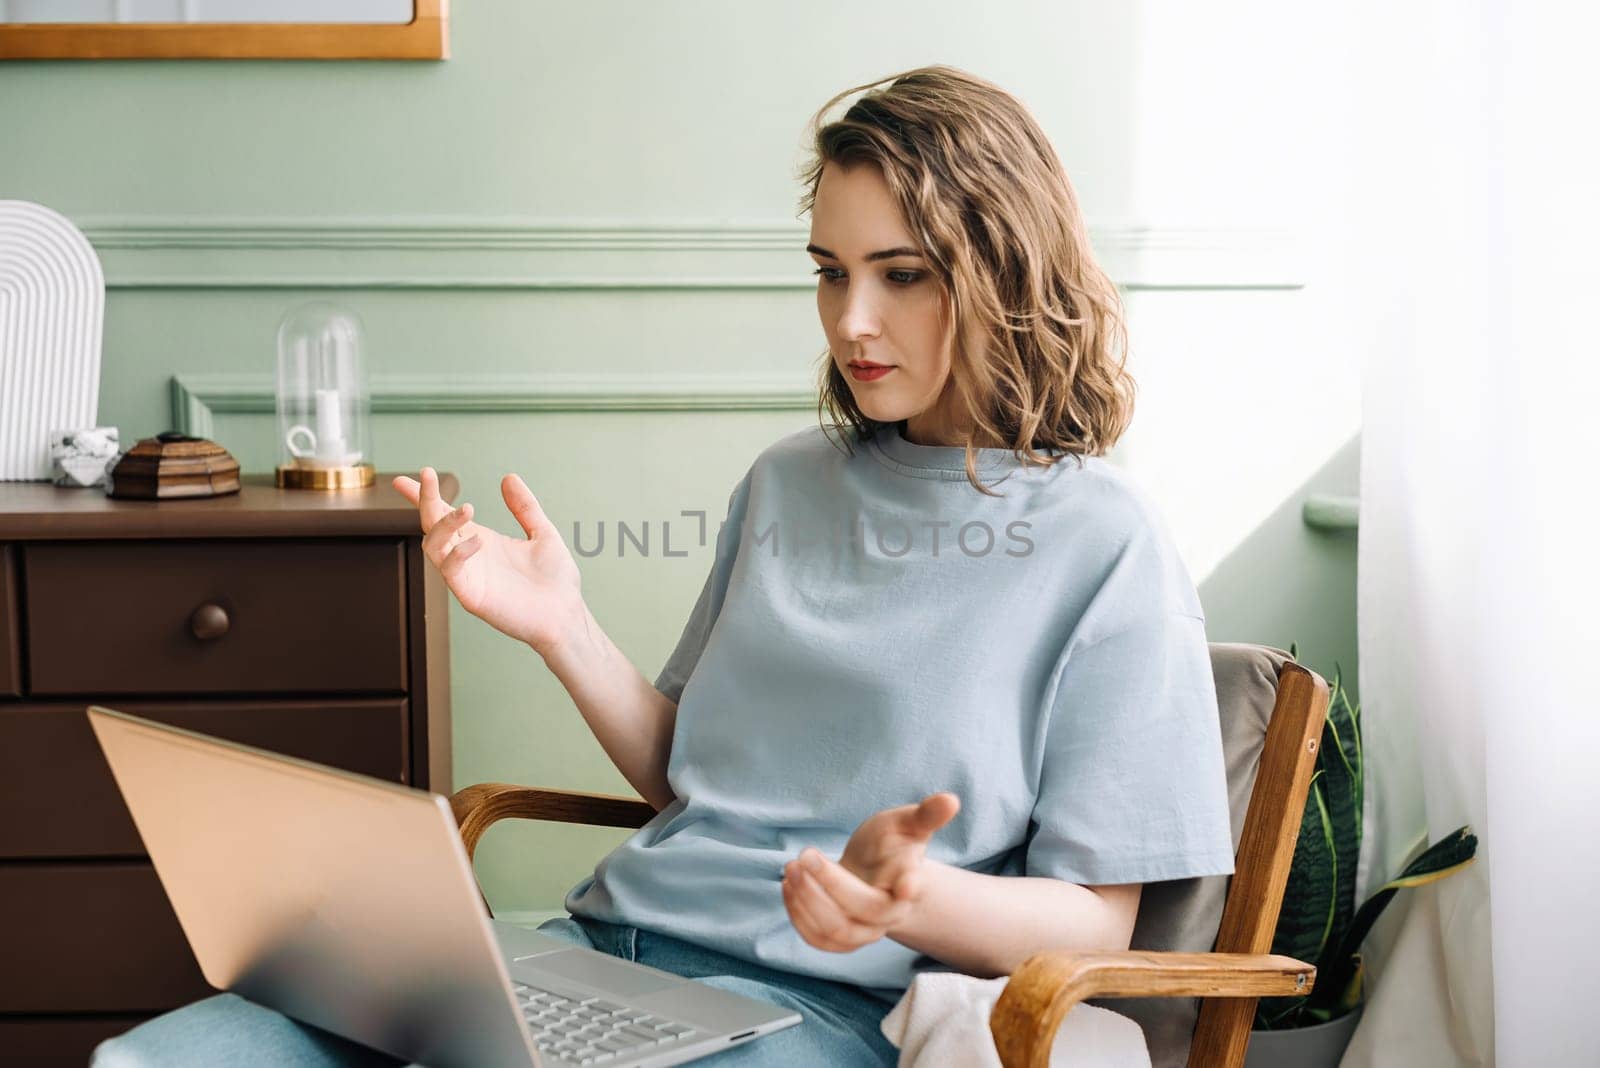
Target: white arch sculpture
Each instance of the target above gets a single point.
(52, 307)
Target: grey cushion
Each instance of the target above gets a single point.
(1183, 915)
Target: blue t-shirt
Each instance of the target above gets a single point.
(874, 630)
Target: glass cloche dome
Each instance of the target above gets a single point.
(323, 405)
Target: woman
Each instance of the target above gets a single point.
(945, 699)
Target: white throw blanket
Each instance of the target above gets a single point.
(942, 1021)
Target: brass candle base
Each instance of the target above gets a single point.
(351, 476)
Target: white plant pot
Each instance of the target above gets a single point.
(1318, 1046)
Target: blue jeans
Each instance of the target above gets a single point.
(840, 1025)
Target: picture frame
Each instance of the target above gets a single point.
(425, 37)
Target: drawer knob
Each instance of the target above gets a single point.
(209, 622)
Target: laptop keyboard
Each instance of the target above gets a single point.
(592, 1030)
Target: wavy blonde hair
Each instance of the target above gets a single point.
(1037, 329)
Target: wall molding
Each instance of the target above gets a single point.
(1331, 511)
(197, 398)
(463, 253)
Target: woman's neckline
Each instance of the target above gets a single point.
(937, 461)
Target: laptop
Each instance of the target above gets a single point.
(348, 902)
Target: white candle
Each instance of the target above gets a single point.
(330, 424)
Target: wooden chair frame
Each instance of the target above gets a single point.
(1047, 985)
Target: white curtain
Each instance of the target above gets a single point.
(1473, 237)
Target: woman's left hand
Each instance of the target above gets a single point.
(875, 887)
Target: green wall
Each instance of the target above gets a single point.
(575, 251)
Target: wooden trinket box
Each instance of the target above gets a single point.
(173, 465)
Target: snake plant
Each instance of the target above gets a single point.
(1319, 921)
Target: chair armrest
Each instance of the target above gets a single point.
(1029, 1013)
(479, 807)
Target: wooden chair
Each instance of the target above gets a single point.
(1199, 956)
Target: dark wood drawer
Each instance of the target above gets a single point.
(10, 629)
(302, 616)
(59, 1041)
(92, 937)
(57, 796)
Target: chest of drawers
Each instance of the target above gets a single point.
(303, 622)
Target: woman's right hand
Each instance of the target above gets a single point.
(528, 589)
